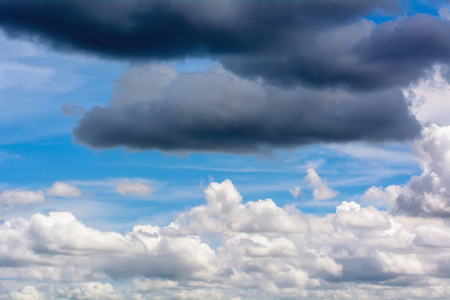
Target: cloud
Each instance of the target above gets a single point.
(322, 43)
(427, 194)
(321, 191)
(15, 75)
(133, 188)
(62, 189)
(227, 248)
(19, 196)
(295, 192)
(154, 107)
(427, 97)
(27, 293)
(90, 290)
(72, 109)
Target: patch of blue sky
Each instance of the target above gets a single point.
(408, 8)
(179, 180)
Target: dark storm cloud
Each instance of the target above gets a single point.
(393, 54)
(164, 29)
(155, 108)
(273, 39)
(328, 74)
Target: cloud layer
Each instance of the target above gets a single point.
(227, 248)
(320, 43)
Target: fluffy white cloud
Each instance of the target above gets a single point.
(133, 188)
(230, 248)
(426, 195)
(27, 293)
(19, 196)
(428, 96)
(62, 189)
(321, 191)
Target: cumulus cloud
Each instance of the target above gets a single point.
(19, 196)
(62, 189)
(425, 195)
(133, 188)
(321, 191)
(154, 107)
(227, 248)
(27, 293)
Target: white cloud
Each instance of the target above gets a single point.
(321, 191)
(19, 196)
(295, 192)
(27, 293)
(230, 248)
(62, 189)
(426, 195)
(428, 96)
(90, 291)
(133, 188)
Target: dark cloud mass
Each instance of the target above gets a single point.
(277, 40)
(164, 29)
(156, 108)
(323, 72)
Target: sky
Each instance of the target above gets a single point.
(228, 149)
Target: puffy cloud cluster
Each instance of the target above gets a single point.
(227, 248)
(426, 195)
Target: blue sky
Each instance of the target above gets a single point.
(353, 198)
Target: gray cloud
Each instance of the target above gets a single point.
(278, 40)
(319, 43)
(155, 108)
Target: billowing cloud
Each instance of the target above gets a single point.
(228, 248)
(154, 107)
(321, 191)
(133, 188)
(426, 195)
(63, 189)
